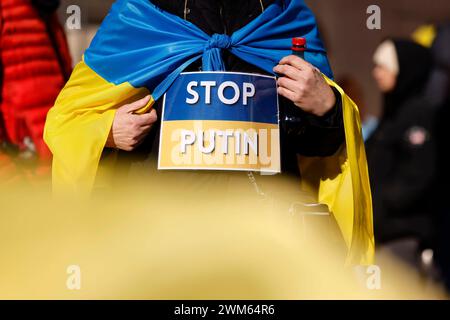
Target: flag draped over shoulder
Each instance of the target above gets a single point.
(141, 49)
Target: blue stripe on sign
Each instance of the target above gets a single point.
(262, 107)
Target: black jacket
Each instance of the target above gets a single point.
(402, 153)
(402, 161)
(305, 134)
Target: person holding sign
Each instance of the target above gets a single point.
(202, 76)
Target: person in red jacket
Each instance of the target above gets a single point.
(34, 65)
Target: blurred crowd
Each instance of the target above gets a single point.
(405, 144)
(406, 147)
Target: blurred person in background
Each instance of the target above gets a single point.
(402, 153)
(437, 91)
(34, 65)
(437, 38)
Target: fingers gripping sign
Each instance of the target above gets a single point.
(304, 85)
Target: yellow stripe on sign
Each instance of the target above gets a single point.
(220, 145)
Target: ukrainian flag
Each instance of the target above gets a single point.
(140, 50)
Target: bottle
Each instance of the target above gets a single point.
(299, 47)
(292, 117)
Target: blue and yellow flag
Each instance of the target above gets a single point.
(141, 49)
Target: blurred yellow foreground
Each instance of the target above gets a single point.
(178, 237)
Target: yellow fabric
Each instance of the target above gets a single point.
(78, 126)
(425, 35)
(342, 182)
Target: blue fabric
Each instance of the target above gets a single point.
(146, 46)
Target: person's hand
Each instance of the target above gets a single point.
(304, 85)
(129, 130)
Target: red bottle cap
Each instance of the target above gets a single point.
(301, 42)
(298, 44)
